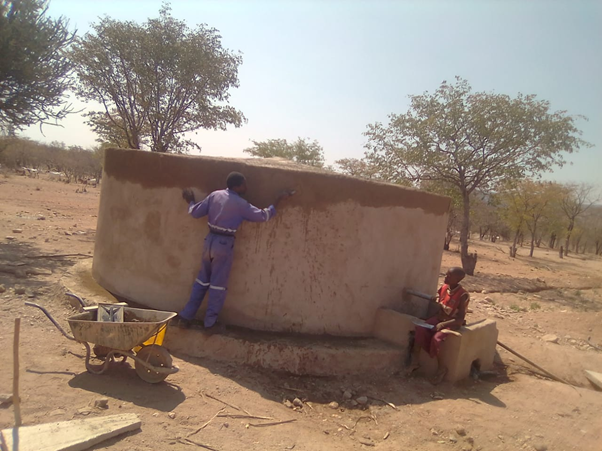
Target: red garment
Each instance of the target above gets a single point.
(429, 339)
(450, 300)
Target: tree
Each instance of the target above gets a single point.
(34, 68)
(471, 141)
(356, 167)
(302, 151)
(524, 205)
(575, 201)
(156, 81)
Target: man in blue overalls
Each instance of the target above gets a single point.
(225, 211)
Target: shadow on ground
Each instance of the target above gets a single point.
(121, 382)
(24, 264)
(379, 389)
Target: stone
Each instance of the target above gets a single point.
(10, 238)
(67, 233)
(540, 447)
(484, 291)
(363, 400)
(172, 415)
(460, 431)
(101, 403)
(17, 230)
(288, 404)
(57, 412)
(333, 405)
(297, 402)
(366, 441)
(488, 299)
(41, 217)
(2, 288)
(353, 403)
(19, 290)
(550, 338)
(347, 394)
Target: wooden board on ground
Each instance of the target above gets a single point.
(75, 435)
(594, 378)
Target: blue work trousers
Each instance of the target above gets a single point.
(216, 263)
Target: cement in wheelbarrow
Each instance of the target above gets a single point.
(138, 326)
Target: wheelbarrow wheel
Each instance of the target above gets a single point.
(156, 356)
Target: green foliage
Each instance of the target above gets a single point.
(356, 167)
(471, 141)
(535, 306)
(157, 81)
(34, 68)
(302, 151)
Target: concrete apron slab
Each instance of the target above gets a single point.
(295, 354)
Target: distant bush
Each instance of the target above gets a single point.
(76, 163)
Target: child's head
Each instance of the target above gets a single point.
(454, 276)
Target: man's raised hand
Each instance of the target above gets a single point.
(188, 195)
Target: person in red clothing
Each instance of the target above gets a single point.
(453, 301)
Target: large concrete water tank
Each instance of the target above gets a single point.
(337, 251)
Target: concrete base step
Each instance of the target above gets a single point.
(296, 354)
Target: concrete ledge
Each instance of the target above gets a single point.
(476, 343)
(295, 354)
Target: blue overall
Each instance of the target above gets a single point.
(225, 211)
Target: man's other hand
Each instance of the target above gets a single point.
(188, 195)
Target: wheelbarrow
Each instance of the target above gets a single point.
(139, 337)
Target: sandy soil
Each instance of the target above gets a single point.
(518, 409)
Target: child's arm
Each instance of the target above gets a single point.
(456, 322)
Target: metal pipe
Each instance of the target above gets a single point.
(547, 373)
(428, 297)
(33, 304)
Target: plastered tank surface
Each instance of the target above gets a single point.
(336, 252)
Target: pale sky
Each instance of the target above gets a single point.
(325, 69)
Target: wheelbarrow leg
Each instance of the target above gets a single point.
(96, 369)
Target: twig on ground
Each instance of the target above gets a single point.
(58, 256)
(187, 441)
(361, 418)
(207, 423)
(225, 403)
(390, 404)
(260, 425)
(235, 416)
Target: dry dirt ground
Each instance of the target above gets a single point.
(518, 409)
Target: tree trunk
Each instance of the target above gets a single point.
(569, 230)
(513, 247)
(532, 243)
(469, 261)
(552, 241)
(560, 252)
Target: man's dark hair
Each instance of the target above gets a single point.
(235, 179)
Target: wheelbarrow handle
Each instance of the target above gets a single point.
(80, 300)
(57, 325)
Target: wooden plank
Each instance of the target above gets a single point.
(75, 435)
(594, 378)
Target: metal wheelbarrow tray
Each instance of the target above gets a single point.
(120, 339)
